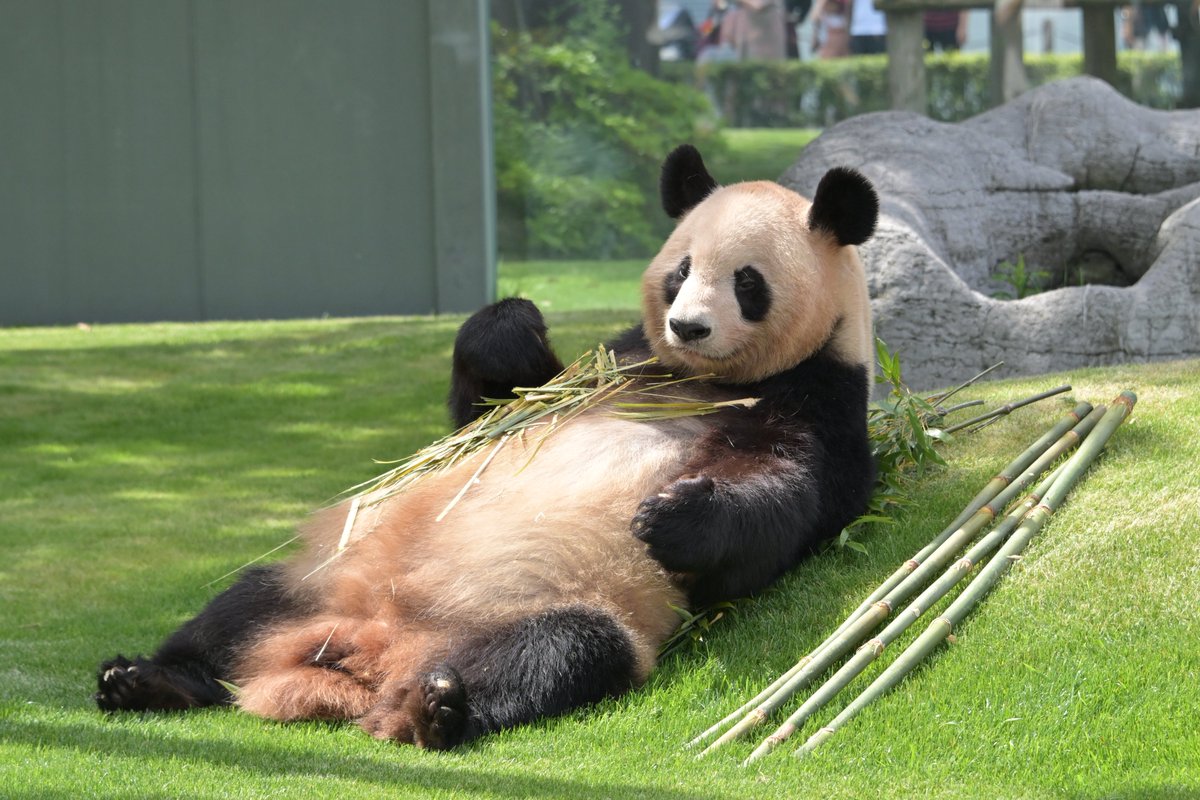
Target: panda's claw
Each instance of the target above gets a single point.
(125, 685)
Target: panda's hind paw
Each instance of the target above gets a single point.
(116, 680)
(136, 685)
(430, 712)
(442, 720)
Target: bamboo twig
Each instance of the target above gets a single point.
(944, 396)
(910, 577)
(1007, 408)
(959, 407)
(987, 578)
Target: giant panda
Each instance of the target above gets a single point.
(550, 584)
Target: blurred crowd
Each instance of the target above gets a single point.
(766, 30)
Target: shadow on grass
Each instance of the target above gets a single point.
(387, 771)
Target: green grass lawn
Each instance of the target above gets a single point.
(558, 286)
(754, 154)
(139, 464)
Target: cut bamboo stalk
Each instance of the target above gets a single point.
(994, 486)
(911, 577)
(871, 650)
(987, 578)
(1007, 408)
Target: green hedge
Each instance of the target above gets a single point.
(794, 94)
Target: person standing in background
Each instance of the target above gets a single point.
(945, 29)
(755, 30)
(868, 29)
(831, 31)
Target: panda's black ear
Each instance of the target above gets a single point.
(845, 206)
(684, 181)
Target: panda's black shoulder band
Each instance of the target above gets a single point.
(684, 181)
(845, 206)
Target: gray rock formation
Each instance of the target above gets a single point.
(1099, 196)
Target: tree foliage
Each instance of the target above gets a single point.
(580, 134)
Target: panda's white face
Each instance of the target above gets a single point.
(743, 289)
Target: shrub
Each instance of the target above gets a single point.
(579, 135)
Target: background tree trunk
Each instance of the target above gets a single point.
(1187, 32)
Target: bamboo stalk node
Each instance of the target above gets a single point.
(877, 645)
(912, 564)
(781, 736)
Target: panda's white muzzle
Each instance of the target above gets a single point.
(694, 318)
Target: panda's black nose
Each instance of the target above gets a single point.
(689, 331)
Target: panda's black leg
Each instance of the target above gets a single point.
(183, 672)
(536, 667)
(500, 346)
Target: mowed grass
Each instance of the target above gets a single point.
(758, 154)
(141, 464)
(558, 286)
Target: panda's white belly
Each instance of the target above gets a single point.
(545, 523)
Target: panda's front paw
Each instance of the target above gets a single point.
(675, 524)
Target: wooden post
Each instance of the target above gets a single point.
(1007, 69)
(906, 60)
(1100, 43)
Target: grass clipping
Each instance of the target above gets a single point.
(633, 390)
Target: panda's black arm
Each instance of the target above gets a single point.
(500, 346)
(737, 524)
(765, 491)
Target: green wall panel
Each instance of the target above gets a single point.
(204, 159)
(315, 182)
(129, 194)
(31, 166)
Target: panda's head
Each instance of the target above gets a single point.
(756, 278)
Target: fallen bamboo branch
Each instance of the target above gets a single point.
(987, 578)
(938, 399)
(1007, 408)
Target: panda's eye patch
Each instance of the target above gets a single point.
(753, 295)
(675, 279)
